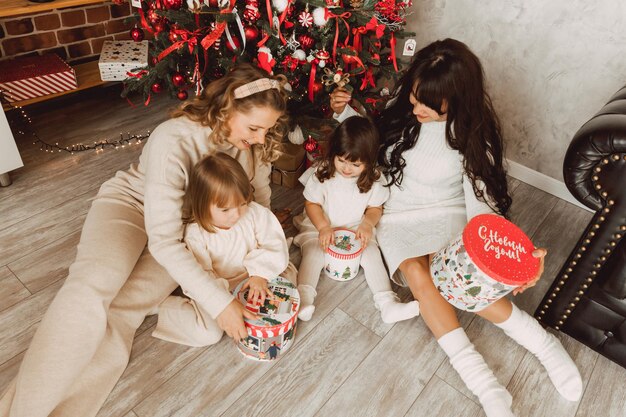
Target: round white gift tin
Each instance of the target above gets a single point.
(343, 257)
(484, 263)
(272, 334)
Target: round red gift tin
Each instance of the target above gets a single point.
(487, 261)
(343, 257)
(272, 333)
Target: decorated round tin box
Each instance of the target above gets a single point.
(484, 263)
(272, 334)
(343, 257)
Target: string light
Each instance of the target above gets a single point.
(124, 140)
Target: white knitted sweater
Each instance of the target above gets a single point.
(433, 203)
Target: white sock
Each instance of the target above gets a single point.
(562, 370)
(473, 370)
(392, 310)
(307, 296)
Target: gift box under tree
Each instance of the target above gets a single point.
(118, 59)
(25, 78)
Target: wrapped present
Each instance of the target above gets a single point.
(291, 157)
(489, 259)
(343, 257)
(118, 58)
(286, 178)
(25, 78)
(272, 333)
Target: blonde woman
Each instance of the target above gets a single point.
(233, 238)
(83, 343)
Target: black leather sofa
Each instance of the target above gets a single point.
(587, 300)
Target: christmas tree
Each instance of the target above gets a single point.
(317, 44)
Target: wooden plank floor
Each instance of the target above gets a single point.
(345, 362)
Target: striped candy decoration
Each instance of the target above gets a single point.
(25, 78)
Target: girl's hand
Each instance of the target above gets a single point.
(258, 290)
(326, 237)
(231, 320)
(339, 99)
(537, 253)
(364, 233)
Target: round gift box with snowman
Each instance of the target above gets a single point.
(272, 333)
(488, 260)
(343, 257)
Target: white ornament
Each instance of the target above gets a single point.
(295, 136)
(299, 54)
(319, 16)
(280, 5)
(322, 64)
(310, 58)
(384, 92)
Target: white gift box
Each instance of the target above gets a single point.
(118, 58)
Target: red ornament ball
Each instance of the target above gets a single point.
(154, 60)
(229, 46)
(306, 41)
(136, 34)
(182, 95)
(173, 37)
(251, 32)
(213, 3)
(161, 25)
(157, 87)
(178, 79)
(310, 145)
(172, 4)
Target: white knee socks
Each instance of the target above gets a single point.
(527, 331)
(307, 296)
(392, 310)
(473, 370)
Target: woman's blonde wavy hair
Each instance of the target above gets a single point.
(214, 106)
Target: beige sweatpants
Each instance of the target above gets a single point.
(183, 321)
(84, 340)
(371, 261)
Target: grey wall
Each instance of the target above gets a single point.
(550, 65)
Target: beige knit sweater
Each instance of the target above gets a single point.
(158, 183)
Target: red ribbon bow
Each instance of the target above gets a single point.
(376, 27)
(343, 16)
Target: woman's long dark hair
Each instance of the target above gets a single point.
(447, 73)
(355, 139)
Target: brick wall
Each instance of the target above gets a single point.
(76, 34)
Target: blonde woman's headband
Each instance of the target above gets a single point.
(256, 86)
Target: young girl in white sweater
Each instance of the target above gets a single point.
(346, 190)
(232, 238)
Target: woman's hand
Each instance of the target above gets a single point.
(258, 290)
(326, 237)
(231, 320)
(339, 99)
(364, 233)
(537, 253)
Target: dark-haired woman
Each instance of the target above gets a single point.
(443, 157)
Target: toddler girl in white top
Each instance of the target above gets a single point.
(346, 190)
(233, 238)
